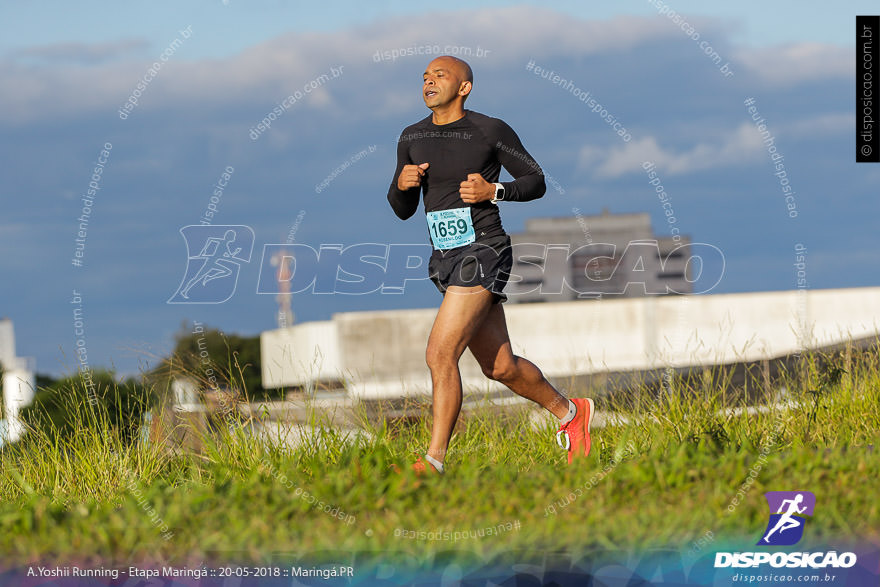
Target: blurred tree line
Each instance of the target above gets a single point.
(208, 356)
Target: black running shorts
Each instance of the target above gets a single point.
(486, 263)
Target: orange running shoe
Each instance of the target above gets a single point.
(577, 432)
(423, 467)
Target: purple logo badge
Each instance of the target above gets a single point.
(787, 511)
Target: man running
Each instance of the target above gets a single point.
(454, 157)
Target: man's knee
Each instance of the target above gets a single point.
(439, 357)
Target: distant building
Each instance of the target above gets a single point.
(590, 257)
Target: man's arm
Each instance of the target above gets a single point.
(528, 183)
(404, 201)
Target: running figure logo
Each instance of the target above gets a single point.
(787, 511)
(212, 274)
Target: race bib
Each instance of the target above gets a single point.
(451, 228)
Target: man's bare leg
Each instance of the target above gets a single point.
(490, 345)
(461, 314)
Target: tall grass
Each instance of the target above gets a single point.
(817, 404)
(697, 430)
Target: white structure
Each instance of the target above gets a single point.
(7, 343)
(186, 394)
(381, 354)
(19, 387)
(19, 383)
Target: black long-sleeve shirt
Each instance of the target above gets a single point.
(475, 143)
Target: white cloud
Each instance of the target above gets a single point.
(825, 124)
(735, 147)
(261, 77)
(84, 53)
(731, 148)
(788, 65)
(275, 69)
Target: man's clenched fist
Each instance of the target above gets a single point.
(411, 176)
(476, 189)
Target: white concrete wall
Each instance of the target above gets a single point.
(382, 353)
(300, 354)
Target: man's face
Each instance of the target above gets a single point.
(441, 83)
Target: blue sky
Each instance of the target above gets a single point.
(230, 26)
(64, 78)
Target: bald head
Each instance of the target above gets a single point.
(462, 70)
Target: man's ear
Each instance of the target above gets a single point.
(465, 88)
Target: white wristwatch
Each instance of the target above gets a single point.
(499, 194)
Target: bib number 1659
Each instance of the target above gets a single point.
(451, 228)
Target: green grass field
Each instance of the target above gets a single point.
(686, 470)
